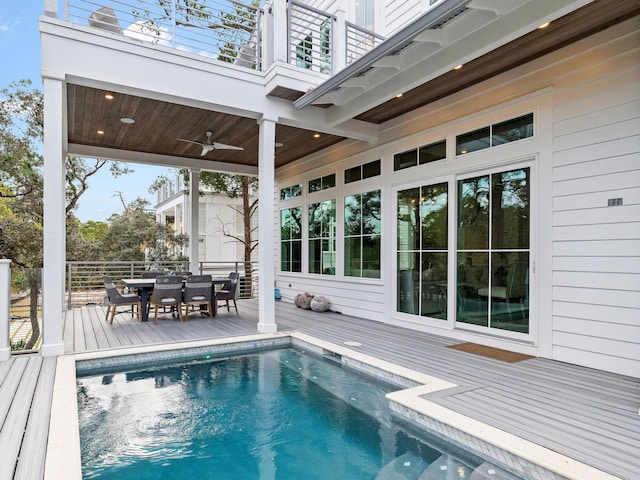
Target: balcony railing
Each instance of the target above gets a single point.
(226, 30)
(230, 31)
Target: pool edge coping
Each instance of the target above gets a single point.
(63, 461)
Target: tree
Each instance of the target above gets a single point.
(135, 235)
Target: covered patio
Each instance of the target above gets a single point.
(585, 414)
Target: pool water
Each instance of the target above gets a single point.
(269, 415)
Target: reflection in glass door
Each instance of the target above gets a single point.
(422, 250)
(493, 242)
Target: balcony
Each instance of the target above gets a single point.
(232, 32)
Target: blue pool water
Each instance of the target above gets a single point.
(269, 415)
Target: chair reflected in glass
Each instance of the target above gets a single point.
(228, 291)
(198, 292)
(167, 292)
(116, 299)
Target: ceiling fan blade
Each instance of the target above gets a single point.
(222, 146)
(204, 151)
(191, 141)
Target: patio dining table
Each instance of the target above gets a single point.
(145, 287)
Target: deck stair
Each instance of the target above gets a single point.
(407, 466)
(446, 467)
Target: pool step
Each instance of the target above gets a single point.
(407, 466)
(488, 471)
(446, 468)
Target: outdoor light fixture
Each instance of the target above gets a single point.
(100, 132)
(316, 135)
(399, 95)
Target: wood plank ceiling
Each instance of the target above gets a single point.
(158, 125)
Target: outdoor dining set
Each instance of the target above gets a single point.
(180, 292)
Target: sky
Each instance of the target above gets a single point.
(20, 58)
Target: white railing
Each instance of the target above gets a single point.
(226, 30)
(359, 41)
(310, 37)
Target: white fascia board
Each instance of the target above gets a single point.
(87, 151)
(468, 46)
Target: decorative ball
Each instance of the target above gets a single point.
(319, 304)
(305, 300)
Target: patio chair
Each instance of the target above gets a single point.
(228, 291)
(116, 299)
(167, 292)
(198, 291)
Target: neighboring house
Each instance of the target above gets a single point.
(220, 221)
(474, 175)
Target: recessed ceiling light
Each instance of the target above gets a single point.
(100, 132)
(544, 25)
(398, 95)
(457, 67)
(316, 135)
(108, 96)
(127, 120)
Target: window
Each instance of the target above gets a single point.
(426, 154)
(362, 172)
(322, 183)
(493, 250)
(291, 239)
(304, 53)
(365, 14)
(291, 192)
(322, 237)
(362, 235)
(422, 250)
(496, 134)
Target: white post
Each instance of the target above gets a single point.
(54, 218)
(194, 221)
(51, 8)
(5, 305)
(266, 244)
(339, 42)
(280, 31)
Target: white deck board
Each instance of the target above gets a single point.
(586, 414)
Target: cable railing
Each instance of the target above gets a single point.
(85, 280)
(226, 30)
(310, 37)
(359, 41)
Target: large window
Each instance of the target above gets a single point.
(362, 235)
(422, 243)
(493, 250)
(322, 237)
(291, 239)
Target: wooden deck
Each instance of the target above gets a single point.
(586, 414)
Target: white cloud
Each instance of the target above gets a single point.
(146, 33)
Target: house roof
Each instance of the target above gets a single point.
(488, 37)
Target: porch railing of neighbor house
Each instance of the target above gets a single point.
(85, 282)
(227, 30)
(359, 41)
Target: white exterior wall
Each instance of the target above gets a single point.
(585, 281)
(399, 13)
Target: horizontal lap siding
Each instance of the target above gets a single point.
(596, 248)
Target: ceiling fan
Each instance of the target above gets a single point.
(209, 145)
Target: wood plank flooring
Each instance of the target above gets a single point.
(586, 414)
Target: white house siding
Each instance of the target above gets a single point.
(596, 247)
(585, 283)
(399, 13)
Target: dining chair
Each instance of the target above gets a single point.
(167, 292)
(198, 291)
(116, 299)
(228, 291)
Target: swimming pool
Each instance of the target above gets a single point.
(274, 414)
(410, 404)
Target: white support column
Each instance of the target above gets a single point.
(266, 245)
(194, 221)
(280, 29)
(5, 304)
(339, 42)
(51, 8)
(54, 218)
